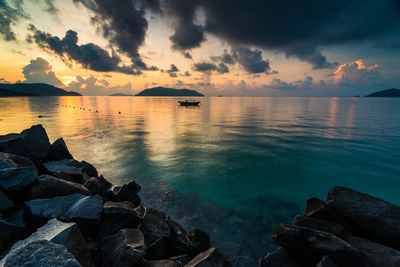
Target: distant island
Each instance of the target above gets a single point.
(33, 89)
(120, 94)
(163, 91)
(392, 92)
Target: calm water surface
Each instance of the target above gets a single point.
(234, 167)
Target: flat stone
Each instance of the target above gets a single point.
(66, 234)
(8, 233)
(71, 167)
(5, 203)
(154, 226)
(377, 219)
(124, 248)
(58, 151)
(311, 245)
(41, 253)
(282, 258)
(48, 186)
(16, 173)
(211, 257)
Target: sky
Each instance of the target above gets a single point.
(217, 47)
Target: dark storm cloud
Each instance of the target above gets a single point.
(123, 24)
(187, 55)
(222, 68)
(8, 16)
(225, 58)
(296, 28)
(208, 67)
(90, 55)
(251, 60)
(172, 71)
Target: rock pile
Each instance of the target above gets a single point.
(348, 229)
(57, 211)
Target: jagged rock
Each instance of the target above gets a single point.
(200, 240)
(311, 245)
(157, 250)
(321, 225)
(32, 143)
(16, 173)
(154, 226)
(5, 203)
(58, 151)
(48, 186)
(326, 262)
(124, 248)
(181, 259)
(74, 207)
(317, 208)
(8, 233)
(378, 219)
(117, 216)
(66, 234)
(71, 167)
(211, 257)
(282, 258)
(97, 186)
(158, 263)
(379, 255)
(179, 243)
(127, 192)
(41, 253)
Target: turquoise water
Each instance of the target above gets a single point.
(234, 167)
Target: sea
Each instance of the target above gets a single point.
(234, 167)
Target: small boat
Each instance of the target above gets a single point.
(189, 103)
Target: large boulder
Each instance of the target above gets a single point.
(8, 233)
(5, 203)
(200, 240)
(311, 245)
(378, 254)
(124, 248)
(377, 219)
(180, 242)
(48, 186)
(154, 226)
(16, 173)
(71, 167)
(41, 253)
(282, 258)
(211, 257)
(127, 192)
(32, 143)
(117, 216)
(58, 151)
(66, 234)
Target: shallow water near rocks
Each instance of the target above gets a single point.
(234, 167)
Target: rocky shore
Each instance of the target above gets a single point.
(57, 211)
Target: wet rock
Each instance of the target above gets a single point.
(5, 203)
(97, 186)
(200, 240)
(159, 263)
(181, 259)
(71, 167)
(311, 245)
(64, 176)
(124, 248)
(379, 255)
(16, 173)
(89, 169)
(378, 219)
(321, 225)
(48, 186)
(127, 192)
(157, 250)
(154, 226)
(32, 143)
(179, 242)
(326, 262)
(66, 234)
(41, 253)
(211, 257)
(280, 257)
(117, 216)
(8, 233)
(58, 151)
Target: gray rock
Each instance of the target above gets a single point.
(124, 248)
(282, 258)
(58, 151)
(5, 203)
(200, 240)
(66, 234)
(379, 255)
(127, 192)
(154, 226)
(97, 186)
(8, 233)
(311, 245)
(41, 253)
(180, 242)
(326, 262)
(32, 143)
(71, 167)
(322, 225)
(158, 263)
(211, 257)
(16, 173)
(117, 216)
(48, 186)
(377, 219)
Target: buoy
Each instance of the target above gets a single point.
(40, 116)
(119, 112)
